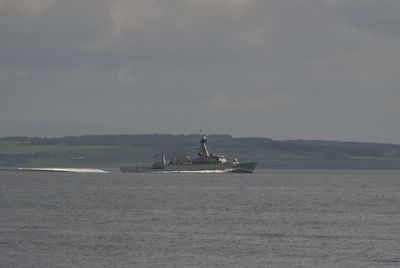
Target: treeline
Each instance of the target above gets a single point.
(324, 149)
(111, 140)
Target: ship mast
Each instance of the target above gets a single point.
(203, 147)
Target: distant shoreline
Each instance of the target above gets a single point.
(114, 151)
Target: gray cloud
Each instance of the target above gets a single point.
(378, 17)
(285, 69)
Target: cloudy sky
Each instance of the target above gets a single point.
(310, 69)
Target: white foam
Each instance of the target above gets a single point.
(198, 171)
(75, 170)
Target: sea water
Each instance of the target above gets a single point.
(272, 218)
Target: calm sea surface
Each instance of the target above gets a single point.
(272, 218)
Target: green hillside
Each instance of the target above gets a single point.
(121, 150)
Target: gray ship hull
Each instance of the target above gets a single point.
(207, 161)
(246, 167)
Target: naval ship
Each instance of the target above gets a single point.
(206, 161)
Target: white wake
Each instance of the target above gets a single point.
(75, 170)
(197, 171)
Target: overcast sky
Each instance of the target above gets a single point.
(309, 69)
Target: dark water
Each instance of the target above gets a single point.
(268, 219)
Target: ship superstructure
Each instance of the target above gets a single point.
(206, 161)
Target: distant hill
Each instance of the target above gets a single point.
(117, 150)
